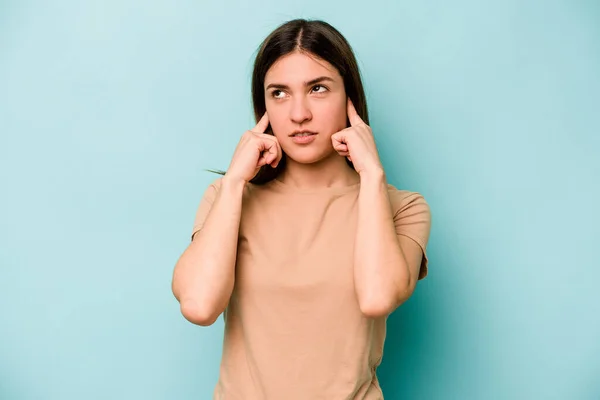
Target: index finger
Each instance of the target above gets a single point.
(353, 116)
(262, 125)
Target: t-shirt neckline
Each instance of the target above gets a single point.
(321, 190)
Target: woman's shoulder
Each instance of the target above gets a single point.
(211, 190)
(403, 199)
(217, 183)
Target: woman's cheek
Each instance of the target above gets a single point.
(277, 126)
(336, 116)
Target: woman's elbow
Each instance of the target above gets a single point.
(381, 306)
(197, 315)
(377, 310)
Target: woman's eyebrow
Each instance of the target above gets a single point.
(309, 83)
(318, 80)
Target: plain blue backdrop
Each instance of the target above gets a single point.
(110, 110)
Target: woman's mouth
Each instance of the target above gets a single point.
(303, 137)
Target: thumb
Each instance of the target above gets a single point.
(338, 141)
(339, 137)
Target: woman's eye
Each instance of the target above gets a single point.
(317, 87)
(278, 94)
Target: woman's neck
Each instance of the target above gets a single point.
(332, 171)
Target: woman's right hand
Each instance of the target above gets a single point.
(254, 150)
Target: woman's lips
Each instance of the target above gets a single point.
(304, 138)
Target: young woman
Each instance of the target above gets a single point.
(302, 244)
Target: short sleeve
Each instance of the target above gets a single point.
(205, 205)
(412, 218)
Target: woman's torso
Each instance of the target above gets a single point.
(293, 327)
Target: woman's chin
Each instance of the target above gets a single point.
(310, 157)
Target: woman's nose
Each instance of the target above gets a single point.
(300, 111)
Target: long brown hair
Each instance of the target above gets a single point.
(319, 39)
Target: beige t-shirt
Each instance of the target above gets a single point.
(293, 327)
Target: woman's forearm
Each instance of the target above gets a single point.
(381, 274)
(204, 275)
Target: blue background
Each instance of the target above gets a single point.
(110, 110)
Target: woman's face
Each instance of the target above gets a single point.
(305, 93)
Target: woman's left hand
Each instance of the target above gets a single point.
(357, 143)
